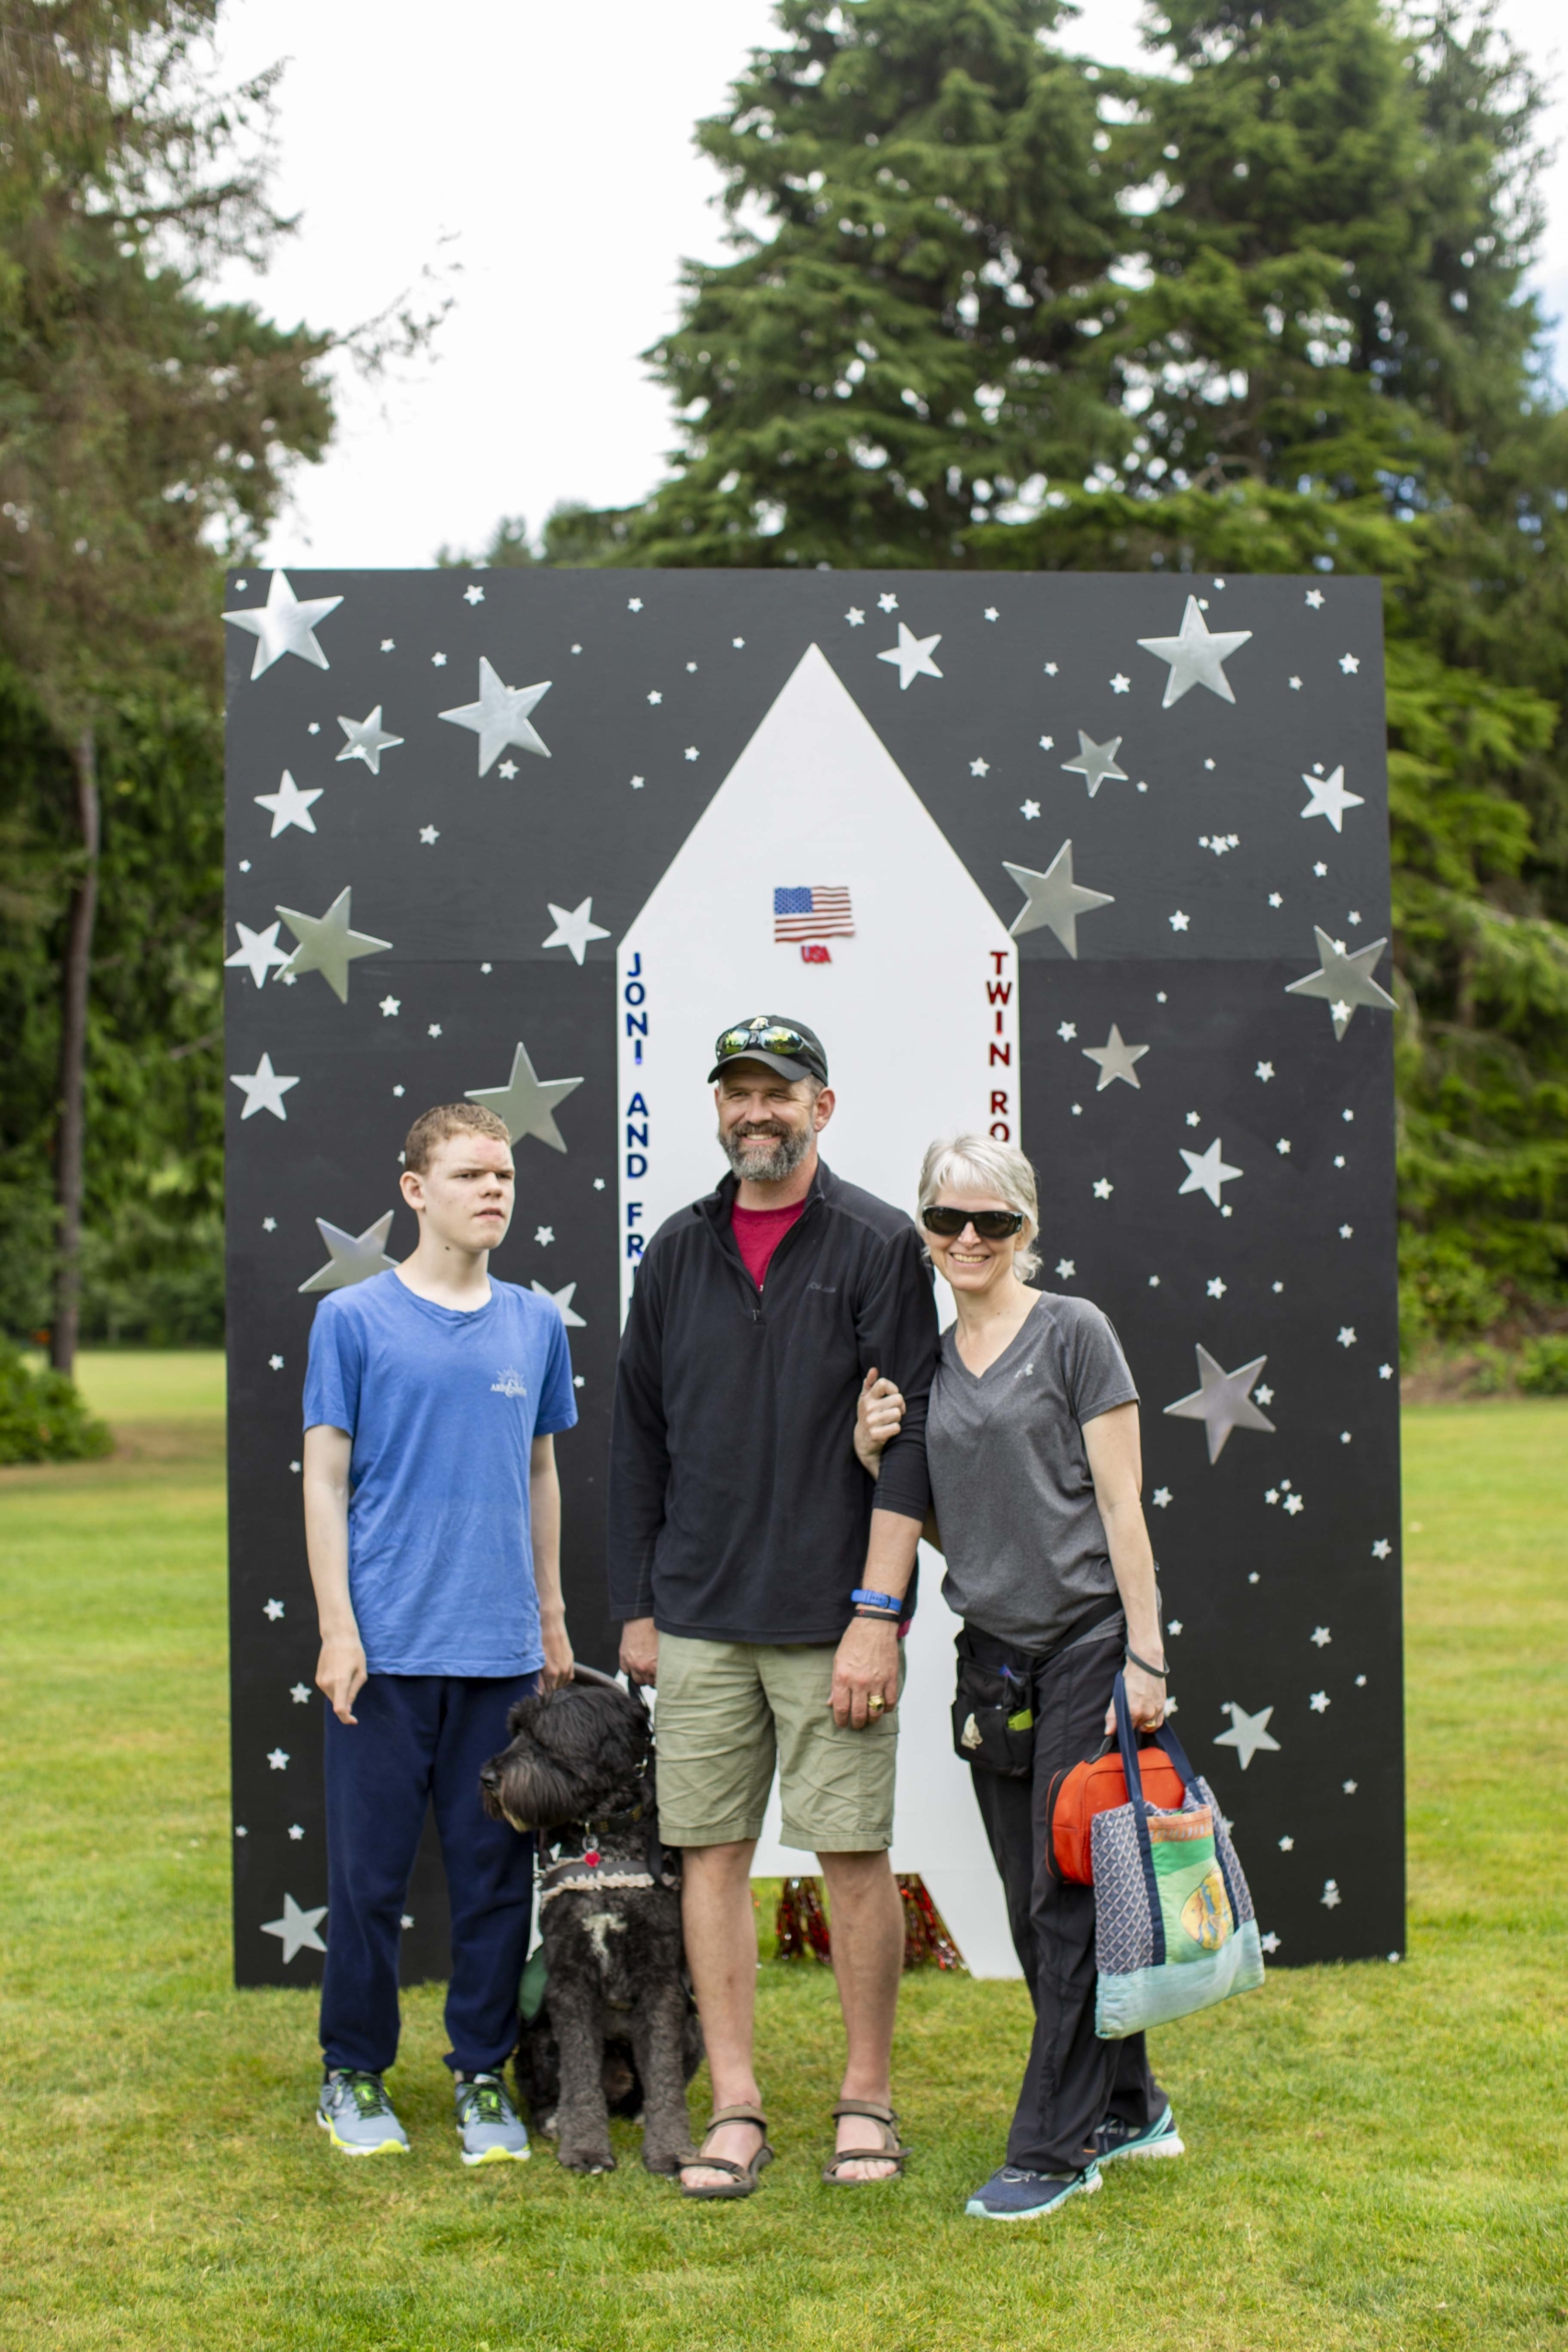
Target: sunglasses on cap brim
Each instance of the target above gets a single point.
(991, 1225)
(775, 1040)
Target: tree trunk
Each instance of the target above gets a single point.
(71, 1132)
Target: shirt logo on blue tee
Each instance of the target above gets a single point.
(510, 1383)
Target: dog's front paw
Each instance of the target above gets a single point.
(581, 2159)
(668, 2160)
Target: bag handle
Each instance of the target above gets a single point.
(1127, 1741)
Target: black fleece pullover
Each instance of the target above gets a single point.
(737, 1510)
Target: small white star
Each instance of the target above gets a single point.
(912, 654)
(991, 613)
(264, 1090)
(438, 661)
(1067, 1031)
(1248, 1733)
(578, 1380)
(544, 1235)
(1050, 669)
(1175, 1624)
(1216, 1288)
(245, 866)
(1352, 919)
(278, 1758)
(1028, 808)
(406, 1920)
(1272, 1496)
(434, 1030)
(1320, 869)
(1066, 1269)
(1161, 1501)
(1295, 1505)
(737, 641)
(1154, 1282)
(273, 1611)
(295, 1832)
(634, 604)
(1207, 1171)
(275, 1363)
(1194, 1119)
(574, 929)
(656, 696)
(1265, 1070)
(1347, 1335)
(1178, 921)
(473, 595)
(388, 645)
(301, 1693)
(979, 767)
(1321, 1636)
(1120, 684)
(1314, 598)
(1264, 1393)
(598, 1183)
(1382, 1548)
(391, 1007)
(1275, 899)
(1346, 1231)
(1283, 1147)
(855, 617)
(289, 805)
(508, 769)
(1339, 1159)
(1077, 1109)
(692, 752)
(1385, 1372)
(1104, 1188)
(1318, 1703)
(1268, 1944)
(429, 836)
(1047, 743)
(888, 602)
(638, 783)
(399, 1092)
(269, 1225)
(258, 953)
(1349, 665)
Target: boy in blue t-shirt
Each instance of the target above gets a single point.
(433, 1525)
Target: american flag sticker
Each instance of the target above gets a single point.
(820, 912)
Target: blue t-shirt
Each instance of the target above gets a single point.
(442, 1406)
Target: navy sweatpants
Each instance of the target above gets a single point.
(421, 1739)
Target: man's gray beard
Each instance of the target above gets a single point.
(789, 1145)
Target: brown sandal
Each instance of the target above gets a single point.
(892, 2151)
(743, 2178)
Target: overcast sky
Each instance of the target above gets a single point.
(548, 152)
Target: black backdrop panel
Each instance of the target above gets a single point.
(1278, 1561)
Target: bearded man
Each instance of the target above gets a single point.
(761, 1579)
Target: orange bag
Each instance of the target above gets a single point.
(1094, 1786)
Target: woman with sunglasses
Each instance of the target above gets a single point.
(1032, 1442)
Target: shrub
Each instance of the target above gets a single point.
(1544, 1366)
(42, 1417)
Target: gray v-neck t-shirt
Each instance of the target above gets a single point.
(1010, 1482)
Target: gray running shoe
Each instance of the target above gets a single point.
(489, 2126)
(358, 2113)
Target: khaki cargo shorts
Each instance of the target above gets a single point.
(726, 1711)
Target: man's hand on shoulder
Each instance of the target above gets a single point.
(640, 1650)
(559, 1659)
(865, 1666)
(341, 1673)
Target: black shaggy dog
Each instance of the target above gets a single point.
(617, 2027)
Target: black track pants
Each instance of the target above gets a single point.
(1073, 2080)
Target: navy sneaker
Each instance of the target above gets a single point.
(1159, 2138)
(1012, 2195)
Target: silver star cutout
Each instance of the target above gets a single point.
(561, 1301)
(527, 1103)
(1345, 981)
(263, 1091)
(1248, 1733)
(285, 624)
(351, 1256)
(1115, 1059)
(301, 1693)
(257, 953)
(1053, 901)
(297, 1929)
(367, 739)
(574, 930)
(327, 945)
(913, 655)
(1206, 1173)
(501, 717)
(1329, 799)
(1221, 1401)
(289, 805)
(1197, 655)
(1096, 762)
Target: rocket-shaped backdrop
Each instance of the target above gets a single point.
(1097, 865)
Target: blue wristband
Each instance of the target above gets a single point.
(861, 1599)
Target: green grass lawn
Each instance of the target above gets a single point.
(1376, 2153)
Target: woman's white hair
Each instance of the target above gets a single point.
(976, 1164)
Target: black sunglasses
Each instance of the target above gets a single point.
(774, 1040)
(991, 1225)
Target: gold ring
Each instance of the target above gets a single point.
(875, 1703)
